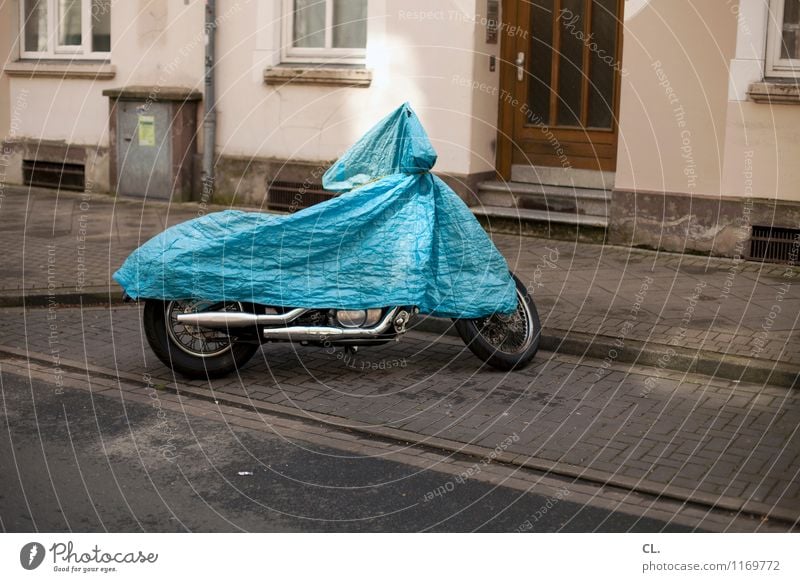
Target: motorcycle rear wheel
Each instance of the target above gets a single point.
(191, 351)
(505, 342)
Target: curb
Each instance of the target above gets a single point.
(685, 360)
(717, 365)
(605, 478)
(94, 296)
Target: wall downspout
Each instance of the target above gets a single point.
(209, 101)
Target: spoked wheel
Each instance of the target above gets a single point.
(190, 350)
(194, 340)
(505, 342)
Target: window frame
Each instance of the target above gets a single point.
(324, 55)
(55, 50)
(776, 66)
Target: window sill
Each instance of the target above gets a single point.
(775, 92)
(95, 70)
(153, 93)
(318, 75)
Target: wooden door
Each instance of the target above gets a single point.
(560, 75)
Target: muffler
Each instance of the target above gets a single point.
(228, 319)
(321, 333)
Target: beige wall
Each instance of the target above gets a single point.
(415, 51)
(6, 55)
(485, 105)
(149, 38)
(158, 42)
(762, 145)
(660, 149)
(72, 110)
(762, 151)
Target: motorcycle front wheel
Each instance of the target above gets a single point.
(193, 351)
(505, 342)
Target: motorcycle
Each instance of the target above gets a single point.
(349, 272)
(204, 339)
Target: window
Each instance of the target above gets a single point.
(68, 29)
(783, 49)
(325, 31)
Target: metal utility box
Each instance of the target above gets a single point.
(152, 141)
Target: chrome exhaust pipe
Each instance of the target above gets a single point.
(320, 333)
(226, 319)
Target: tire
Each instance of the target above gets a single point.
(489, 338)
(186, 360)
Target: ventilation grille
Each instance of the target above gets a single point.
(54, 175)
(772, 244)
(293, 196)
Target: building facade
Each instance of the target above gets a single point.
(669, 124)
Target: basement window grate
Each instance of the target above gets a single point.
(57, 175)
(772, 244)
(293, 196)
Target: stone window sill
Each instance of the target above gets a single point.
(153, 93)
(318, 75)
(95, 70)
(776, 92)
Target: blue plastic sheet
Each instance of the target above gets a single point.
(396, 235)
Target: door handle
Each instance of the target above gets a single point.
(520, 62)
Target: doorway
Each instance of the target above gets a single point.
(560, 80)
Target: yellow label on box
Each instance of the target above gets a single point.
(147, 130)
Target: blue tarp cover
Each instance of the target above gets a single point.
(396, 235)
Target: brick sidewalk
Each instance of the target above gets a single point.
(624, 295)
(692, 436)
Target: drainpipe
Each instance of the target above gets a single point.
(210, 118)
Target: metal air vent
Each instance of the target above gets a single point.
(774, 244)
(57, 175)
(293, 196)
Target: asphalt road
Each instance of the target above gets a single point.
(84, 462)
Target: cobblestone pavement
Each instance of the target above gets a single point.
(76, 241)
(710, 436)
(86, 238)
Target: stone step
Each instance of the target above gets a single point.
(523, 215)
(558, 176)
(559, 199)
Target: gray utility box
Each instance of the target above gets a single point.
(152, 138)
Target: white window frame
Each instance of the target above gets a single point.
(776, 66)
(328, 54)
(54, 50)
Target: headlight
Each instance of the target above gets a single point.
(358, 317)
